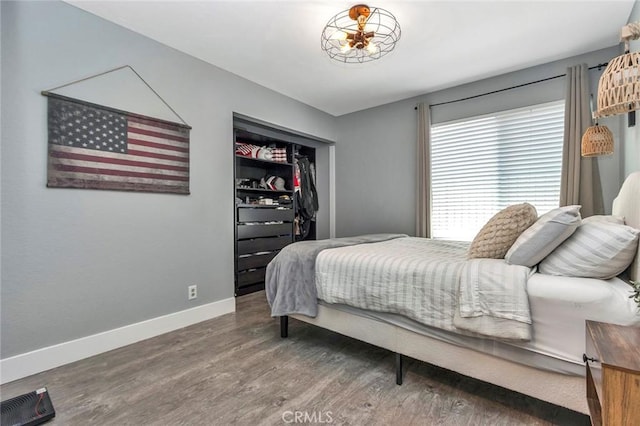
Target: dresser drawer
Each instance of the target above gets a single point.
(251, 277)
(248, 214)
(257, 231)
(255, 261)
(263, 244)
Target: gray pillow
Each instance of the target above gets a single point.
(541, 238)
(597, 249)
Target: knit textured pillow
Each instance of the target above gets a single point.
(501, 231)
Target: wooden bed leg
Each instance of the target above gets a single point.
(398, 369)
(284, 326)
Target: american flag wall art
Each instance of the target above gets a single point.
(97, 147)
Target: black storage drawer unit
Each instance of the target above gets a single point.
(260, 233)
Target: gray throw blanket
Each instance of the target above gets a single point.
(290, 276)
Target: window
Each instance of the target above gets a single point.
(483, 164)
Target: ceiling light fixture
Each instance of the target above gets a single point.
(619, 85)
(360, 34)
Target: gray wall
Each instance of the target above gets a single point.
(79, 262)
(375, 153)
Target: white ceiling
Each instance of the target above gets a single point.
(443, 44)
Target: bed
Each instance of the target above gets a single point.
(534, 346)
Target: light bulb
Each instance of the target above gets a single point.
(338, 35)
(372, 48)
(345, 48)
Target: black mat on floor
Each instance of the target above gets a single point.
(30, 409)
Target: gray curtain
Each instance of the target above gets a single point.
(423, 181)
(580, 179)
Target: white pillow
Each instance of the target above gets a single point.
(597, 249)
(604, 218)
(541, 238)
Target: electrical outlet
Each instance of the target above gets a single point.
(192, 291)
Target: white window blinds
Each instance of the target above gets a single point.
(483, 164)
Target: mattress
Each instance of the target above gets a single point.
(559, 308)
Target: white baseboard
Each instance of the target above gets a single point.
(26, 364)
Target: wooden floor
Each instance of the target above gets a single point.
(236, 370)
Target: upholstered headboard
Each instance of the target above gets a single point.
(627, 205)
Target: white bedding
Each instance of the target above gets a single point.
(422, 278)
(406, 276)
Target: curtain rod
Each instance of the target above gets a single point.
(599, 66)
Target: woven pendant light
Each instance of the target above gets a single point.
(619, 85)
(597, 140)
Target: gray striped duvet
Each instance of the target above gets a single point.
(420, 278)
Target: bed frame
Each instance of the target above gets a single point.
(557, 388)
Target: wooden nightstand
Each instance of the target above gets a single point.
(613, 373)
